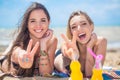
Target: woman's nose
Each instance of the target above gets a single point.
(39, 24)
(78, 28)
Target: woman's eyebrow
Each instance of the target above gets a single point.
(31, 19)
(44, 18)
(73, 24)
(83, 21)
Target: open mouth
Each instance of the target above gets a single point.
(37, 31)
(82, 36)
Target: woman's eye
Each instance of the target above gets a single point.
(43, 20)
(73, 27)
(32, 21)
(84, 23)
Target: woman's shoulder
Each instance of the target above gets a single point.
(54, 40)
(101, 41)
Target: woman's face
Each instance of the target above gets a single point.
(37, 24)
(82, 27)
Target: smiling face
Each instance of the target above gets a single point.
(37, 24)
(84, 29)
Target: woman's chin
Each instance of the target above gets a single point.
(83, 41)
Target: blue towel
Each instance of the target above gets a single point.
(60, 74)
(114, 74)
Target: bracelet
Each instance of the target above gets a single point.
(43, 64)
(43, 53)
(43, 59)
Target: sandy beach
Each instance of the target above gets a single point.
(110, 33)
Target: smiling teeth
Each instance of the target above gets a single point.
(38, 30)
(81, 34)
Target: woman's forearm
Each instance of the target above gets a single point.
(15, 55)
(45, 65)
(89, 64)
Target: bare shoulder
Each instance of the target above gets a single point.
(53, 41)
(101, 43)
(101, 40)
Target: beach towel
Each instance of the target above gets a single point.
(111, 74)
(107, 74)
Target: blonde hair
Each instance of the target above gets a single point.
(76, 13)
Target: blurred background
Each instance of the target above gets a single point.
(104, 13)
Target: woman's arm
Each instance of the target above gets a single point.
(90, 61)
(102, 47)
(51, 52)
(46, 64)
(15, 54)
(24, 57)
(99, 48)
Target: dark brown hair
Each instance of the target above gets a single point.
(23, 37)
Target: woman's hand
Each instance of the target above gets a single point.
(69, 48)
(26, 57)
(92, 41)
(46, 37)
